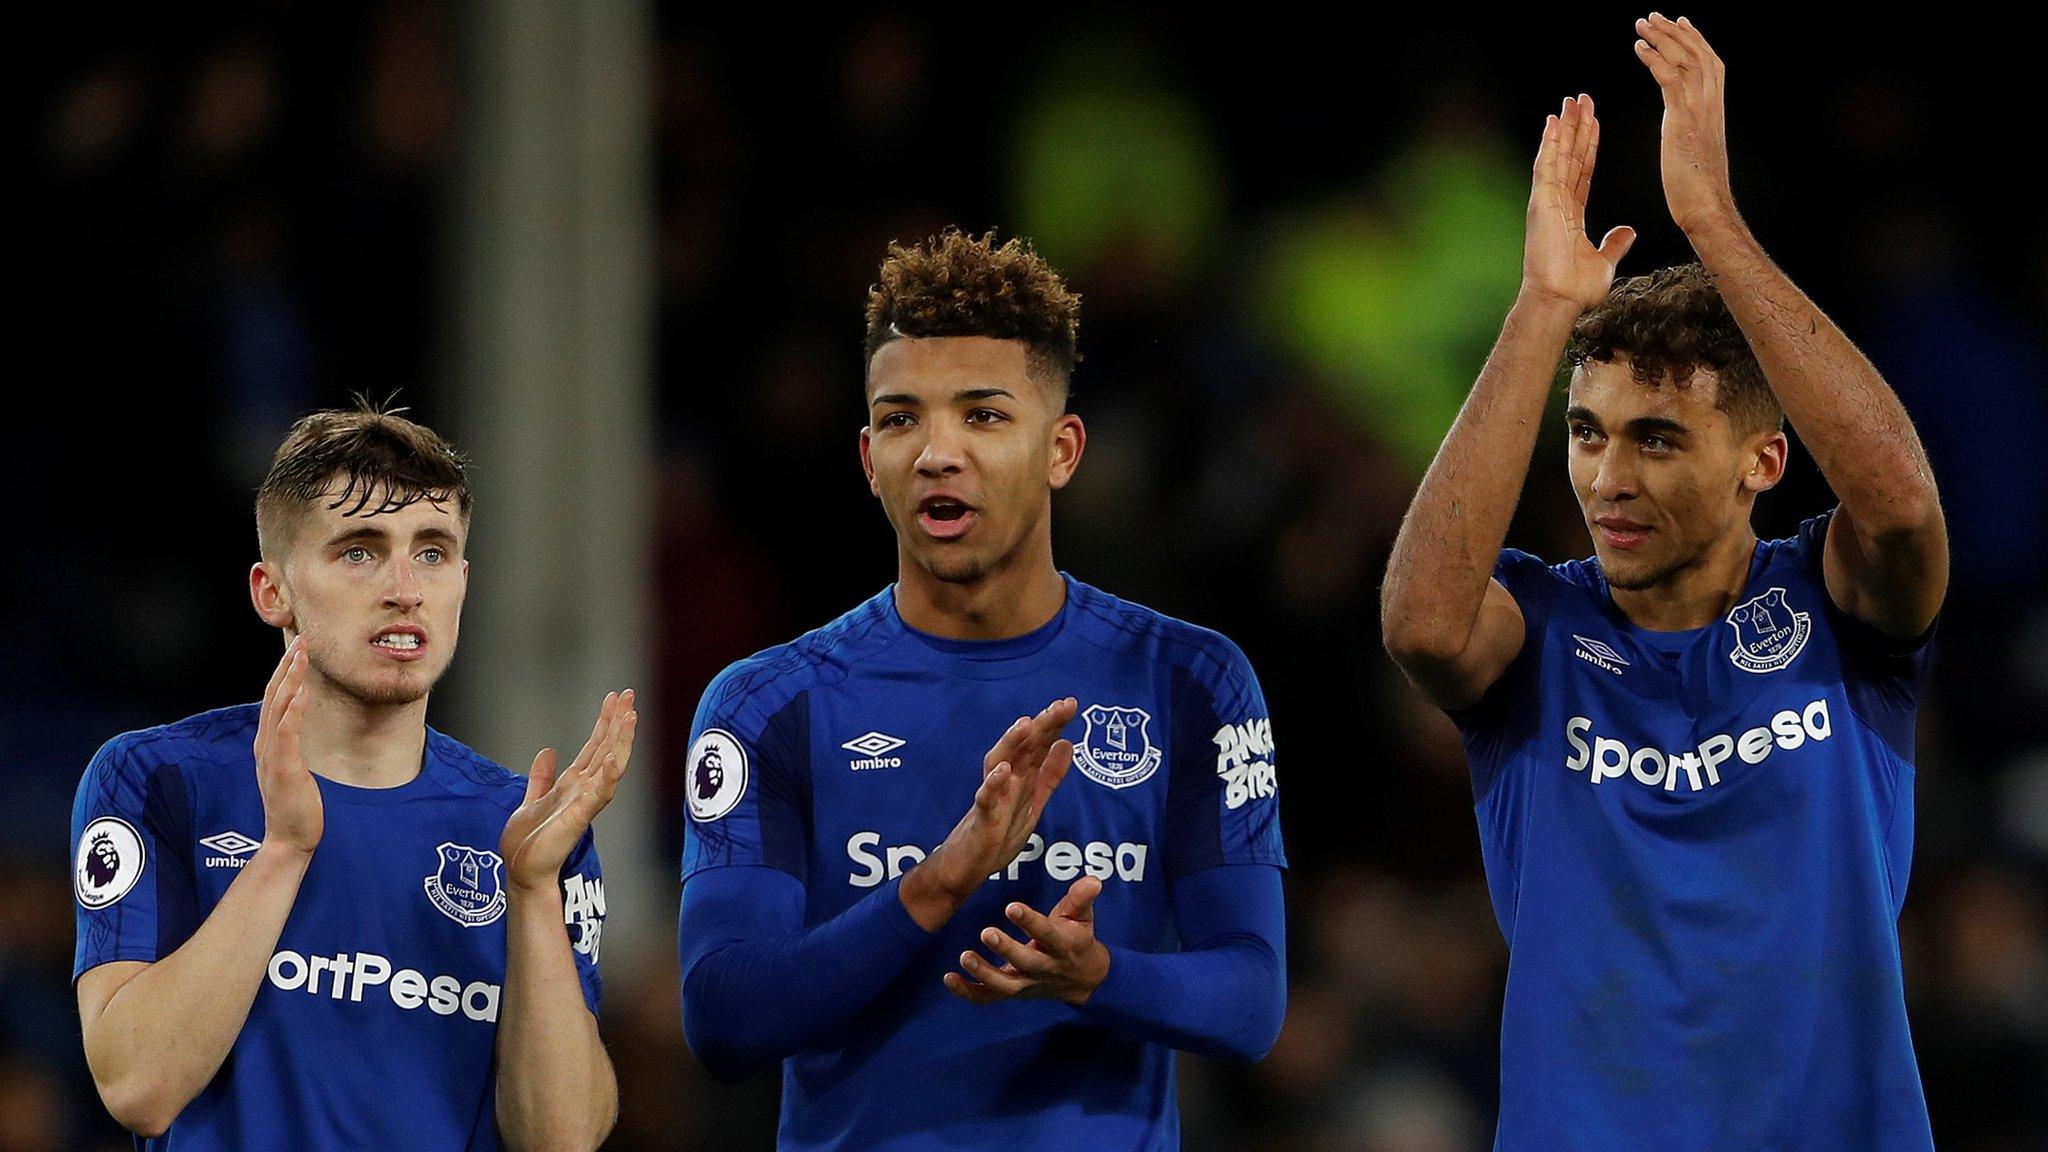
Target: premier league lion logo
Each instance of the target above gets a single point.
(467, 886)
(718, 774)
(1116, 750)
(109, 862)
(101, 862)
(1768, 632)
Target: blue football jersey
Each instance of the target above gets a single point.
(374, 1025)
(1697, 844)
(845, 757)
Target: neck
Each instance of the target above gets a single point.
(1696, 595)
(1019, 595)
(366, 745)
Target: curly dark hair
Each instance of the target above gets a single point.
(959, 285)
(1674, 321)
(383, 462)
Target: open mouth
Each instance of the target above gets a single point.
(403, 642)
(1621, 533)
(945, 517)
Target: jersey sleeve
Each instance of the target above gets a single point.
(1883, 674)
(583, 913)
(1494, 725)
(131, 862)
(1222, 797)
(746, 779)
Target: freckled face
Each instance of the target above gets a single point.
(963, 447)
(1661, 475)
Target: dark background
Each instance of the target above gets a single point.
(1294, 237)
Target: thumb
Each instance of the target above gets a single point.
(542, 777)
(1079, 902)
(1616, 243)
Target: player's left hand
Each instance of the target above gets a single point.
(1694, 153)
(1062, 961)
(558, 808)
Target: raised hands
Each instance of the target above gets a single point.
(1694, 153)
(293, 816)
(558, 808)
(1018, 777)
(1062, 961)
(1558, 259)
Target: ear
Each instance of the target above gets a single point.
(269, 596)
(867, 462)
(1069, 440)
(1768, 454)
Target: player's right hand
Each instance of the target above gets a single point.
(1018, 777)
(1558, 260)
(292, 814)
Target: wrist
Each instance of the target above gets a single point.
(929, 896)
(1547, 304)
(1717, 223)
(1095, 970)
(284, 852)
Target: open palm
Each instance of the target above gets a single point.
(1558, 259)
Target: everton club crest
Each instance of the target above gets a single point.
(1768, 633)
(1117, 749)
(466, 887)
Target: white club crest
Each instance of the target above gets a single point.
(467, 885)
(1116, 749)
(1768, 632)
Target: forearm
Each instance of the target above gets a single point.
(758, 987)
(1846, 415)
(1452, 534)
(1225, 1001)
(555, 1084)
(163, 1034)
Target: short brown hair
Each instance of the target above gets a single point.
(1674, 321)
(385, 462)
(959, 285)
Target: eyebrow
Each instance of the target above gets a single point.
(376, 533)
(1637, 428)
(964, 395)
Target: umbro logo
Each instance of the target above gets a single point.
(1598, 654)
(230, 847)
(873, 749)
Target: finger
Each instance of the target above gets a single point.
(597, 733)
(1584, 189)
(541, 776)
(1079, 902)
(1027, 960)
(969, 991)
(622, 742)
(1054, 770)
(1006, 745)
(266, 714)
(1666, 75)
(1663, 36)
(1546, 150)
(1702, 51)
(1031, 920)
(286, 756)
(996, 789)
(1001, 980)
(1573, 151)
(1616, 243)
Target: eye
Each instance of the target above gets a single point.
(985, 416)
(1584, 433)
(896, 420)
(356, 554)
(1657, 444)
(432, 555)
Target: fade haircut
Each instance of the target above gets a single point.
(381, 461)
(1673, 321)
(959, 285)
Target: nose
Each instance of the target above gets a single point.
(404, 593)
(1615, 478)
(943, 453)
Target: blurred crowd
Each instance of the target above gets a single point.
(1293, 250)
